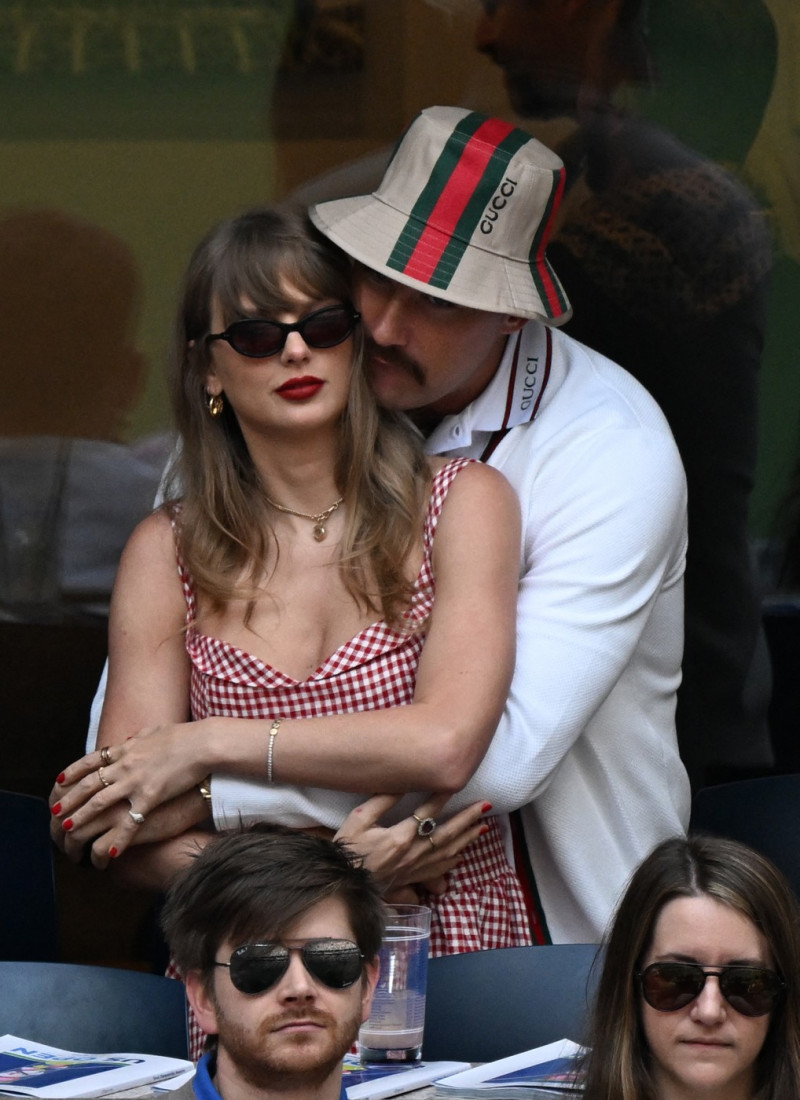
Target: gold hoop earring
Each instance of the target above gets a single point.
(215, 404)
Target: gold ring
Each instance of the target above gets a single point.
(102, 778)
(105, 755)
(430, 838)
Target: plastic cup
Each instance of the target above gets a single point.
(393, 1032)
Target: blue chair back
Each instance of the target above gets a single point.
(489, 1004)
(28, 915)
(764, 813)
(93, 1009)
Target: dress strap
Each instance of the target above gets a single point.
(425, 588)
(440, 487)
(187, 584)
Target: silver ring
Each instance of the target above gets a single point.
(105, 755)
(426, 826)
(102, 778)
(137, 817)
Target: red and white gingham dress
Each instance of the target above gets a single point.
(483, 906)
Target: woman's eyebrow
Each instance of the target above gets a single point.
(677, 956)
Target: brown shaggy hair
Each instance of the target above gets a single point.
(254, 883)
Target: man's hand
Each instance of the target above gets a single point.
(398, 856)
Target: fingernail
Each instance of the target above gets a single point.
(68, 825)
(486, 807)
(484, 829)
(113, 853)
(60, 778)
(56, 809)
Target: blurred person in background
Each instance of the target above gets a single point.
(665, 258)
(71, 488)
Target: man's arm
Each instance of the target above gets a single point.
(97, 710)
(604, 530)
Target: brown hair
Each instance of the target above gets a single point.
(224, 527)
(618, 1067)
(254, 884)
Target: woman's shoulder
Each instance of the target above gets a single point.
(148, 571)
(154, 537)
(468, 495)
(469, 474)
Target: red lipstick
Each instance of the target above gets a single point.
(299, 389)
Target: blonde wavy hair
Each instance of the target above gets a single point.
(224, 526)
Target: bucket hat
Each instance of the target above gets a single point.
(464, 213)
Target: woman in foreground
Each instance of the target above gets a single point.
(268, 622)
(699, 998)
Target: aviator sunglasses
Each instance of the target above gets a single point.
(256, 967)
(751, 990)
(324, 328)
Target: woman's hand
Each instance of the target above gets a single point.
(115, 831)
(398, 855)
(145, 772)
(99, 799)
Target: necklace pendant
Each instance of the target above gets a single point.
(319, 531)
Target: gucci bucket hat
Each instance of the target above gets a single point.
(464, 212)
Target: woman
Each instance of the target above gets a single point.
(700, 990)
(311, 531)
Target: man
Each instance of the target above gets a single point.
(665, 259)
(277, 935)
(459, 301)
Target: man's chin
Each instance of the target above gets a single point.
(285, 1055)
(305, 1054)
(305, 1059)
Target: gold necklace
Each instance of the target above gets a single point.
(319, 520)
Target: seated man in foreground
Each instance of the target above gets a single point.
(277, 934)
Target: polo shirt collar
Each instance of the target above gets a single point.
(203, 1085)
(513, 396)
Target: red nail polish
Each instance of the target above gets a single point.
(484, 829)
(486, 807)
(113, 853)
(56, 809)
(68, 825)
(61, 777)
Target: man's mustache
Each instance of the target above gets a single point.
(396, 358)
(290, 1016)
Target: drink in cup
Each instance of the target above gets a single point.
(393, 1032)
